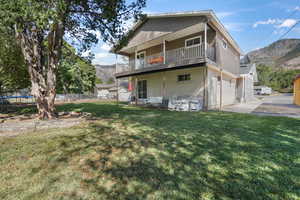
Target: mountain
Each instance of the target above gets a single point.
(282, 53)
(107, 72)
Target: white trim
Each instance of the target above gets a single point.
(200, 36)
(205, 40)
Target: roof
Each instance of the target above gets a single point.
(172, 26)
(249, 69)
(246, 68)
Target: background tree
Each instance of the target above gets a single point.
(75, 74)
(278, 79)
(41, 25)
(13, 71)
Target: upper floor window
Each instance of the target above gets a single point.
(183, 77)
(224, 44)
(193, 41)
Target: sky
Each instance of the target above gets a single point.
(252, 23)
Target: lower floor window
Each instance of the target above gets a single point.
(142, 89)
(184, 77)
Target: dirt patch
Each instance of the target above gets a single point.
(16, 125)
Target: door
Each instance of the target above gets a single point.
(142, 89)
(215, 93)
(140, 60)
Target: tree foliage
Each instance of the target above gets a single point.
(75, 74)
(277, 78)
(12, 67)
(40, 27)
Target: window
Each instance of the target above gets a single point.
(184, 77)
(196, 41)
(224, 44)
(142, 89)
(140, 60)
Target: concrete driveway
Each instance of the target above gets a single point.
(278, 105)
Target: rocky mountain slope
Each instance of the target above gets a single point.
(283, 53)
(107, 72)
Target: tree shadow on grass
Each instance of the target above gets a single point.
(174, 155)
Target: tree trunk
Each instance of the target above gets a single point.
(42, 73)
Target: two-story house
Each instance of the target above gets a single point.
(182, 55)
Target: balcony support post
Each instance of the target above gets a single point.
(135, 58)
(164, 51)
(205, 40)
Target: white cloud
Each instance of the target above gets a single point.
(278, 23)
(287, 23)
(297, 8)
(224, 14)
(267, 22)
(105, 47)
(236, 27)
(101, 55)
(104, 58)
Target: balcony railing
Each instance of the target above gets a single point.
(176, 57)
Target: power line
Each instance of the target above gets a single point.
(290, 29)
(271, 33)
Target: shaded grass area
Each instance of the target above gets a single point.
(138, 153)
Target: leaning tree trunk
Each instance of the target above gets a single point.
(42, 73)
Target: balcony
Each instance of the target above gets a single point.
(171, 58)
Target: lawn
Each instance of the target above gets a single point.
(138, 153)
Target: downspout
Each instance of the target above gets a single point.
(136, 90)
(205, 108)
(221, 89)
(244, 88)
(164, 51)
(205, 95)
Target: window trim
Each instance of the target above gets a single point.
(185, 42)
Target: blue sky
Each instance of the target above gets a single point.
(252, 23)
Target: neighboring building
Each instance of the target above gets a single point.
(106, 91)
(262, 90)
(187, 56)
(297, 90)
(111, 91)
(248, 76)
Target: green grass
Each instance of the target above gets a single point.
(138, 153)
